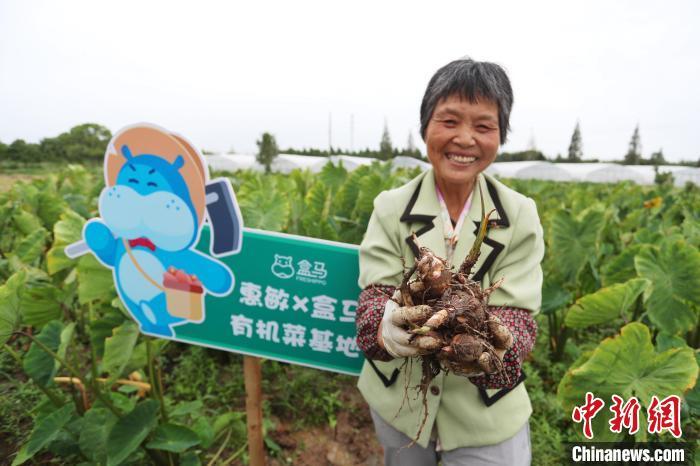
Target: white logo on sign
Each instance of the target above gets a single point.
(312, 272)
(282, 267)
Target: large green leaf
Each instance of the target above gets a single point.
(129, 431)
(37, 363)
(204, 430)
(66, 231)
(93, 438)
(370, 187)
(26, 222)
(620, 268)
(265, 207)
(10, 298)
(674, 296)
(318, 203)
(346, 197)
(333, 176)
(574, 241)
(45, 430)
(190, 458)
(32, 246)
(605, 304)
(692, 398)
(95, 282)
(50, 207)
(41, 303)
(316, 218)
(65, 340)
(118, 348)
(139, 357)
(554, 297)
(173, 437)
(628, 365)
(102, 328)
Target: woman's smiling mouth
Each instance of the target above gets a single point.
(462, 159)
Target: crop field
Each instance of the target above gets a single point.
(79, 385)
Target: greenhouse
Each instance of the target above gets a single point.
(599, 172)
(283, 163)
(538, 170)
(231, 162)
(350, 162)
(681, 175)
(687, 175)
(402, 161)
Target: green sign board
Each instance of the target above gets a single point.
(294, 300)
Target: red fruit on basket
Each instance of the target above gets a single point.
(182, 277)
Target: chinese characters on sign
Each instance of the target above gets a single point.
(320, 307)
(294, 300)
(662, 415)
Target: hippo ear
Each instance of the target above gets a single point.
(179, 162)
(126, 152)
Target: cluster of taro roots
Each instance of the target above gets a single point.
(447, 314)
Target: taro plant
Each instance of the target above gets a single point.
(655, 352)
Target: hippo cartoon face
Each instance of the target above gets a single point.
(150, 200)
(282, 267)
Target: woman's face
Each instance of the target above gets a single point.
(462, 138)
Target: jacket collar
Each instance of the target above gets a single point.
(424, 201)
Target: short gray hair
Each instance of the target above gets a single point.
(472, 80)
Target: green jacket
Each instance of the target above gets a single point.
(464, 414)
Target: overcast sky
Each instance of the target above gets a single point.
(221, 73)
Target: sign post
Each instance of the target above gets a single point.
(252, 375)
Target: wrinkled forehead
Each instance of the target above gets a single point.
(456, 104)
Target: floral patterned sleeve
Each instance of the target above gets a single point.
(524, 329)
(370, 309)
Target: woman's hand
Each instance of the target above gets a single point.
(396, 340)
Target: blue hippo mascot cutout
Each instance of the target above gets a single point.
(151, 214)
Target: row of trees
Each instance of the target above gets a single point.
(268, 150)
(632, 157)
(82, 143)
(386, 150)
(87, 142)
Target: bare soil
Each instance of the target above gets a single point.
(351, 443)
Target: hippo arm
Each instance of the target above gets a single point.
(215, 276)
(101, 241)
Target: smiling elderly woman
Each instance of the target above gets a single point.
(480, 419)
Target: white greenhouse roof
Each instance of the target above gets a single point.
(283, 163)
(600, 172)
(647, 174)
(540, 170)
(231, 162)
(402, 161)
(681, 177)
(533, 169)
(592, 172)
(350, 162)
